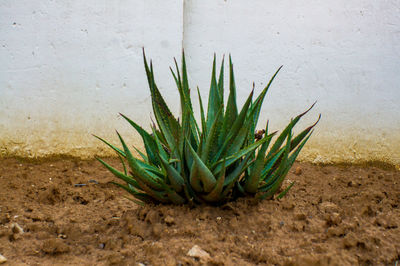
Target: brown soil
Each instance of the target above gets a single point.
(334, 215)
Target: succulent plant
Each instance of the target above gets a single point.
(214, 161)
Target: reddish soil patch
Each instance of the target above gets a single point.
(334, 215)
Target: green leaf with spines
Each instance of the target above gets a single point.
(174, 176)
(251, 183)
(141, 175)
(203, 123)
(231, 111)
(238, 155)
(261, 97)
(166, 121)
(273, 160)
(214, 99)
(161, 152)
(211, 140)
(236, 127)
(160, 196)
(268, 168)
(215, 194)
(281, 171)
(140, 196)
(123, 164)
(148, 141)
(142, 155)
(289, 163)
(201, 177)
(186, 104)
(234, 176)
(240, 139)
(128, 179)
(220, 84)
(119, 151)
(284, 133)
(303, 134)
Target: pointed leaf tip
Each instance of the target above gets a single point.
(319, 118)
(308, 109)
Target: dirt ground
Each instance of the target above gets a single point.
(334, 215)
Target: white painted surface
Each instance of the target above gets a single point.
(68, 68)
(345, 54)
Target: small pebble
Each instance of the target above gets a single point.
(198, 252)
(102, 245)
(62, 236)
(2, 259)
(16, 228)
(169, 220)
(351, 184)
(298, 170)
(93, 181)
(80, 185)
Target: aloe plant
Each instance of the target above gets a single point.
(213, 161)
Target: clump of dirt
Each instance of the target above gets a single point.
(69, 214)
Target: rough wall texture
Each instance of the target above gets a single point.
(69, 67)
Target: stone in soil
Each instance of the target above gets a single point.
(2, 259)
(199, 253)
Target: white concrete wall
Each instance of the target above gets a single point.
(345, 54)
(68, 68)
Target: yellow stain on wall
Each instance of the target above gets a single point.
(352, 150)
(321, 148)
